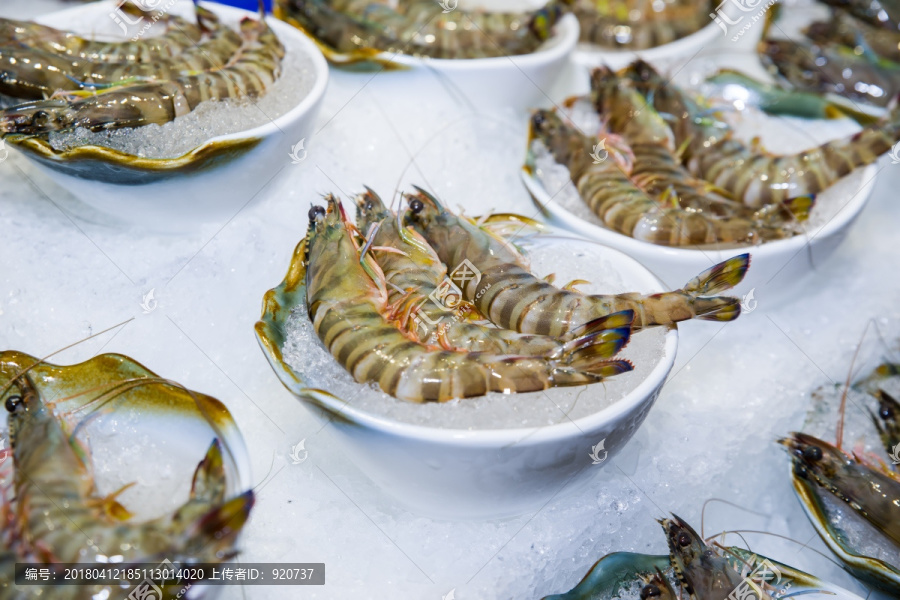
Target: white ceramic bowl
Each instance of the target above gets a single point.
(778, 270)
(473, 473)
(668, 55)
(212, 180)
(516, 81)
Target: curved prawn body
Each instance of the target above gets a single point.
(414, 274)
(872, 493)
(252, 70)
(704, 573)
(852, 33)
(620, 572)
(30, 73)
(628, 209)
(179, 36)
(638, 24)
(347, 307)
(419, 28)
(748, 172)
(832, 69)
(512, 298)
(658, 169)
(60, 517)
(700, 571)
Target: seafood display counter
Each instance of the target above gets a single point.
(458, 385)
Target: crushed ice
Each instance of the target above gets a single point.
(569, 260)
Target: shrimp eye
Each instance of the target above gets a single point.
(886, 411)
(812, 453)
(416, 206)
(538, 119)
(41, 118)
(370, 205)
(650, 591)
(12, 402)
(684, 539)
(316, 211)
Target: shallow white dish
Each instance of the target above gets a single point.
(667, 55)
(151, 435)
(471, 473)
(778, 269)
(212, 180)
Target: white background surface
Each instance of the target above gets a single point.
(69, 271)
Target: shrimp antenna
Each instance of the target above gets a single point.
(396, 197)
(743, 539)
(42, 360)
(883, 341)
(839, 431)
(731, 552)
(370, 238)
(783, 537)
(266, 477)
(117, 388)
(722, 501)
(452, 89)
(419, 150)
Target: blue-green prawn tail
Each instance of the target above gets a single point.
(715, 280)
